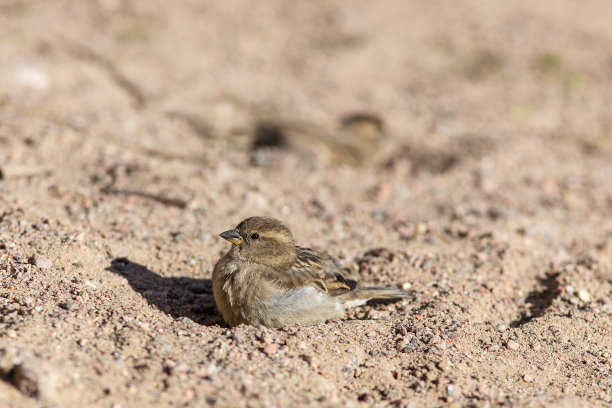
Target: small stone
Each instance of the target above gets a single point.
(270, 349)
(35, 378)
(39, 261)
(28, 75)
(209, 371)
(238, 338)
(407, 285)
(422, 228)
(584, 295)
(183, 319)
(527, 378)
(67, 305)
(162, 342)
(444, 365)
(311, 360)
(11, 333)
(178, 369)
(382, 192)
(453, 391)
(362, 392)
(168, 365)
(267, 339)
(512, 345)
(373, 314)
(307, 358)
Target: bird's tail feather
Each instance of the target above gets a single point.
(360, 295)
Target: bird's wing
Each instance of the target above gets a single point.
(317, 269)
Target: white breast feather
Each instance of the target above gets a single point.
(306, 300)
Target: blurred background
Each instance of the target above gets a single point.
(392, 113)
(310, 108)
(441, 71)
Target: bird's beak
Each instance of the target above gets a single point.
(232, 236)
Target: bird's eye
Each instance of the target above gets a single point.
(255, 236)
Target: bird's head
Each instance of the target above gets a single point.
(263, 240)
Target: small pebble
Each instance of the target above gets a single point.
(178, 369)
(162, 342)
(209, 371)
(453, 391)
(527, 378)
(39, 261)
(311, 360)
(513, 345)
(307, 358)
(422, 228)
(67, 305)
(29, 76)
(445, 365)
(36, 378)
(182, 319)
(584, 295)
(494, 347)
(238, 337)
(270, 349)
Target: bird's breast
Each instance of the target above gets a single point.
(241, 290)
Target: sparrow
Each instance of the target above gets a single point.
(358, 139)
(265, 279)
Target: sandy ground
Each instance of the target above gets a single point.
(461, 150)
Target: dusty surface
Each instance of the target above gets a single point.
(126, 134)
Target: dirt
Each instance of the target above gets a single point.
(459, 150)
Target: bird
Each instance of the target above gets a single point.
(265, 279)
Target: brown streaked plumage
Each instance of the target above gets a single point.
(266, 279)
